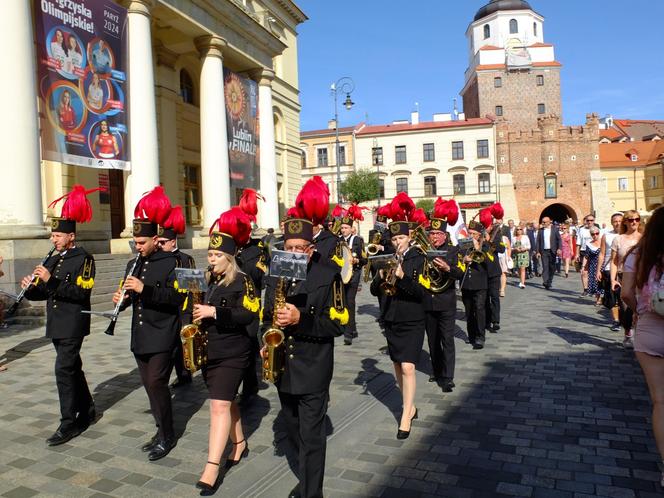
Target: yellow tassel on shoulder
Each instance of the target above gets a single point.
(338, 260)
(186, 301)
(252, 305)
(342, 317)
(260, 314)
(424, 282)
(491, 258)
(461, 266)
(85, 283)
(176, 286)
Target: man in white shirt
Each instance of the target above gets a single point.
(548, 247)
(582, 238)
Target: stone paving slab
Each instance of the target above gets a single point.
(552, 407)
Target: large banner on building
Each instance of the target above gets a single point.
(81, 74)
(241, 95)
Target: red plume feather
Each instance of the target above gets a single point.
(419, 216)
(452, 213)
(355, 212)
(403, 203)
(486, 218)
(497, 211)
(249, 202)
(313, 201)
(384, 211)
(440, 208)
(154, 206)
(175, 220)
(76, 207)
(294, 212)
(337, 212)
(236, 223)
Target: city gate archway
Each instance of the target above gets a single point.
(558, 212)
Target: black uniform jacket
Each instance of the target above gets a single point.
(155, 324)
(326, 245)
(252, 260)
(496, 247)
(446, 299)
(67, 293)
(476, 274)
(310, 343)
(186, 261)
(406, 304)
(237, 307)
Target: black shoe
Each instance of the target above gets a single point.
(348, 342)
(181, 382)
(354, 334)
(495, 326)
(150, 444)
(245, 452)
(295, 492)
(615, 327)
(547, 286)
(448, 385)
(404, 434)
(433, 378)
(62, 436)
(584, 293)
(209, 489)
(477, 345)
(161, 448)
(86, 419)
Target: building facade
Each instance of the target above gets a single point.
(544, 168)
(177, 52)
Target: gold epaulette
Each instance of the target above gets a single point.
(338, 310)
(489, 255)
(85, 280)
(260, 264)
(250, 301)
(339, 261)
(424, 281)
(461, 265)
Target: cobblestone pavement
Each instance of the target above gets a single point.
(552, 407)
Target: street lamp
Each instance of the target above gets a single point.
(374, 153)
(344, 85)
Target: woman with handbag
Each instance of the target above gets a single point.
(520, 250)
(643, 292)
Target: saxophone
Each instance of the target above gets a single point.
(372, 250)
(194, 340)
(273, 339)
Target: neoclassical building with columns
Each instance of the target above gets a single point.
(177, 52)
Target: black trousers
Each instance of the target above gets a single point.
(474, 302)
(533, 267)
(178, 362)
(350, 291)
(305, 421)
(439, 326)
(493, 301)
(548, 266)
(249, 378)
(75, 398)
(155, 370)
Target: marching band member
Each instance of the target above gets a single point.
(231, 306)
(404, 314)
(494, 235)
(356, 245)
(440, 307)
(474, 286)
(384, 247)
(155, 326)
(65, 281)
(311, 318)
(168, 241)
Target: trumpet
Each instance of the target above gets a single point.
(389, 283)
(439, 282)
(372, 249)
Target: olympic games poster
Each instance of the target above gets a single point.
(82, 80)
(241, 96)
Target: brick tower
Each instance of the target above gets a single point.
(544, 168)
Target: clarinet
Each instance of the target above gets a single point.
(21, 295)
(116, 311)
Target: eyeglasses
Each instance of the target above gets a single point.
(590, 220)
(633, 220)
(594, 233)
(301, 248)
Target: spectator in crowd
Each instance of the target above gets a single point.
(604, 270)
(506, 263)
(567, 248)
(582, 238)
(643, 278)
(531, 232)
(548, 248)
(630, 234)
(593, 249)
(521, 254)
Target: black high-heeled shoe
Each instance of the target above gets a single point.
(232, 463)
(404, 434)
(206, 488)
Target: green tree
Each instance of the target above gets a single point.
(426, 204)
(360, 186)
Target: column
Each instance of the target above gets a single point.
(142, 109)
(269, 210)
(215, 172)
(21, 213)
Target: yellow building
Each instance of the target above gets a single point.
(633, 172)
(177, 52)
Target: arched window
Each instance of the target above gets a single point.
(487, 31)
(535, 28)
(186, 87)
(514, 26)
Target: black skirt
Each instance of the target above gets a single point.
(222, 378)
(404, 340)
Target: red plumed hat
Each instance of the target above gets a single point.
(337, 212)
(452, 213)
(313, 201)
(402, 205)
(175, 221)
(486, 218)
(497, 211)
(249, 202)
(384, 211)
(419, 216)
(355, 212)
(236, 223)
(440, 208)
(75, 209)
(154, 206)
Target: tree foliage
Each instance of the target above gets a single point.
(426, 204)
(360, 186)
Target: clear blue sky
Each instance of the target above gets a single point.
(399, 53)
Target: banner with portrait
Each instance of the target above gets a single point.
(82, 81)
(241, 97)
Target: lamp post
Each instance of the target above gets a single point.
(344, 85)
(374, 153)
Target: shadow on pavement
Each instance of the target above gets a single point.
(579, 317)
(24, 348)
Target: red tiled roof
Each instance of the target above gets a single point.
(618, 155)
(538, 44)
(329, 131)
(428, 125)
(639, 128)
(610, 133)
(490, 47)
